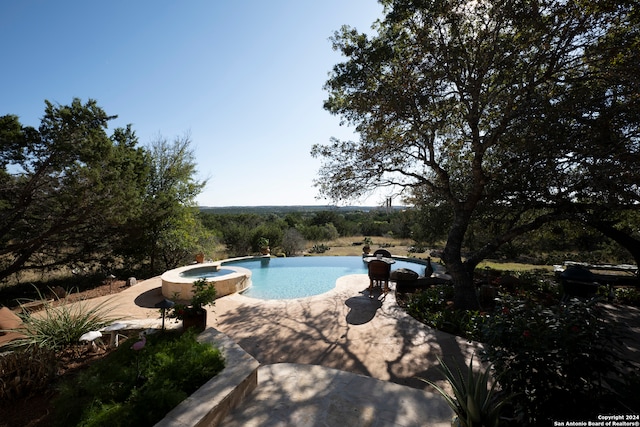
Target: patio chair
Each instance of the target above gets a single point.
(379, 272)
(10, 325)
(578, 282)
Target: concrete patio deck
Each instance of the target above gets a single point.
(340, 358)
(337, 356)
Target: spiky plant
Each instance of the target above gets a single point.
(59, 326)
(474, 399)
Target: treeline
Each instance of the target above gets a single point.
(76, 198)
(288, 232)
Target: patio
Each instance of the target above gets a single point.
(343, 330)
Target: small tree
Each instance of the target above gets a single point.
(168, 228)
(292, 242)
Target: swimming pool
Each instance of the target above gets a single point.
(299, 277)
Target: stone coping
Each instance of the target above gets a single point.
(180, 289)
(174, 276)
(211, 403)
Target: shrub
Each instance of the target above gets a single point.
(319, 249)
(430, 307)
(132, 388)
(629, 296)
(562, 360)
(61, 326)
(474, 398)
(25, 372)
(533, 286)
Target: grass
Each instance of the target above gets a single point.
(352, 246)
(345, 246)
(513, 266)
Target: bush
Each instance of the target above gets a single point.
(25, 372)
(292, 242)
(58, 327)
(535, 285)
(561, 361)
(629, 296)
(319, 249)
(430, 307)
(132, 388)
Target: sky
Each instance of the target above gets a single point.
(242, 78)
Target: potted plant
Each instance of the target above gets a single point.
(194, 313)
(264, 246)
(474, 401)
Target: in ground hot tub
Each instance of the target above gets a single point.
(177, 284)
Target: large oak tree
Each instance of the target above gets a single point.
(463, 103)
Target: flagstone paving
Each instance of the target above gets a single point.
(340, 358)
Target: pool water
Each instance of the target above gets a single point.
(205, 273)
(299, 277)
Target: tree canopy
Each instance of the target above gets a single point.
(168, 229)
(71, 195)
(472, 105)
(66, 187)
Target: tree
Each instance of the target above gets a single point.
(604, 130)
(445, 97)
(292, 242)
(66, 188)
(169, 229)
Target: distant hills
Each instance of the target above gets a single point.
(289, 209)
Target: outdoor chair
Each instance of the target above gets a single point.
(379, 272)
(10, 325)
(578, 282)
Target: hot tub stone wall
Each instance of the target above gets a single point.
(178, 288)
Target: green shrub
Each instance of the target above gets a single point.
(475, 398)
(535, 286)
(60, 326)
(319, 249)
(561, 361)
(133, 388)
(430, 307)
(629, 296)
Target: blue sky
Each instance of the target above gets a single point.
(243, 78)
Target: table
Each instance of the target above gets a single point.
(385, 259)
(113, 330)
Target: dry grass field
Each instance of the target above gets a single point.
(353, 246)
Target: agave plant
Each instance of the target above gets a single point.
(59, 326)
(474, 400)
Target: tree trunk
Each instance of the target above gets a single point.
(465, 297)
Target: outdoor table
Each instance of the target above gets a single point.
(91, 337)
(385, 259)
(113, 330)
